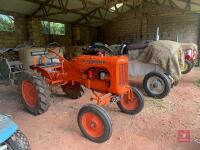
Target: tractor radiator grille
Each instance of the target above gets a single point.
(123, 74)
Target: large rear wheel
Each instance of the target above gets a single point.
(95, 123)
(134, 105)
(34, 93)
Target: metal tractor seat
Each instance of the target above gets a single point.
(50, 62)
(48, 65)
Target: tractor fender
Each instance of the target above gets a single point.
(7, 128)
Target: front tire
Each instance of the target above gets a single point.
(18, 142)
(34, 93)
(157, 85)
(95, 123)
(132, 106)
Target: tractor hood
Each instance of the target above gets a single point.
(7, 128)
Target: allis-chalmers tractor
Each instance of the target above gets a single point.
(106, 76)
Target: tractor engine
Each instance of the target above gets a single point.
(105, 74)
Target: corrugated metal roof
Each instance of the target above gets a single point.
(87, 11)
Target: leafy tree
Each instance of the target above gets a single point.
(53, 28)
(7, 23)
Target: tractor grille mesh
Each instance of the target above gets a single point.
(123, 74)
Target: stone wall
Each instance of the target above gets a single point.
(30, 29)
(83, 35)
(141, 24)
(35, 33)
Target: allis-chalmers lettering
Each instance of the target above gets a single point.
(94, 61)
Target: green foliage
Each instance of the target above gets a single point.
(53, 28)
(7, 23)
(197, 83)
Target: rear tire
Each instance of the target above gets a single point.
(187, 67)
(160, 81)
(94, 123)
(73, 91)
(34, 93)
(18, 142)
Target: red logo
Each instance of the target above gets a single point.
(184, 136)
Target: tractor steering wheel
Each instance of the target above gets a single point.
(53, 50)
(99, 48)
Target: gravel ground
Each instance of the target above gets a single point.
(155, 128)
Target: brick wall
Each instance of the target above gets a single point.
(83, 35)
(142, 23)
(12, 39)
(35, 33)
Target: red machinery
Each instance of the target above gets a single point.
(191, 56)
(107, 77)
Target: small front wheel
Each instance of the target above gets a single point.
(18, 142)
(134, 105)
(95, 123)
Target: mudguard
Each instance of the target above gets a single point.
(7, 128)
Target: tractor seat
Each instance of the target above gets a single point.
(48, 65)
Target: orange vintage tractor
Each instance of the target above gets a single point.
(107, 77)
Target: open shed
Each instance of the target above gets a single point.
(166, 122)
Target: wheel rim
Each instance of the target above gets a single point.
(29, 93)
(8, 146)
(93, 124)
(185, 67)
(156, 85)
(129, 104)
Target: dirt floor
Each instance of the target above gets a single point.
(155, 128)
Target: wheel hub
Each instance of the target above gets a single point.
(129, 104)
(156, 85)
(29, 93)
(92, 124)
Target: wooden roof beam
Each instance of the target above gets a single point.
(188, 5)
(41, 7)
(65, 10)
(85, 16)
